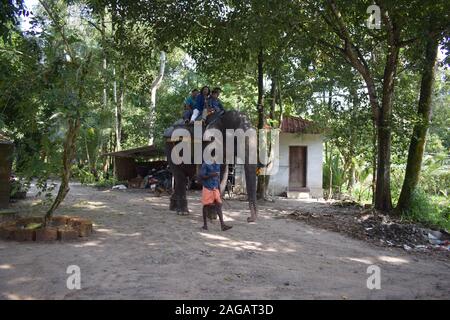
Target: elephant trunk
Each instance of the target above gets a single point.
(223, 182)
(250, 182)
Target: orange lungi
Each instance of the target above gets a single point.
(210, 196)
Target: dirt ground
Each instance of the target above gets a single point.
(141, 250)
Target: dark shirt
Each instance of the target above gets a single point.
(200, 103)
(212, 182)
(215, 104)
(187, 114)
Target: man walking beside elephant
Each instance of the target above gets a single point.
(211, 199)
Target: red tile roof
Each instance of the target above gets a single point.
(291, 124)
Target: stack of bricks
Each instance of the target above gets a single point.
(61, 228)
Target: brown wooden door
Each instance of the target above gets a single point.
(297, 168)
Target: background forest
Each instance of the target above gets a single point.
(83, 78)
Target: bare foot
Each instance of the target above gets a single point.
(250, 219)
(225, 227)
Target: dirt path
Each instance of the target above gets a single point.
(140, 250)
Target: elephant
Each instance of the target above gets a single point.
(180, 172)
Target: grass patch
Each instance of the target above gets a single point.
(431, 211)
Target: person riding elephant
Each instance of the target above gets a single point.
(201, 103)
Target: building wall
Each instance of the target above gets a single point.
(314, 142)
(279, 182)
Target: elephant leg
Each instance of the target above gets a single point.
(178, 201)
(250, 180)
(253, 212)
(224, 180)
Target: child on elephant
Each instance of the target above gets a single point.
(189, 105)
(211, 199)
(201, 103)
(215, 105)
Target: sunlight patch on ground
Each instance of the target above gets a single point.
(393, 260)
(361, 260)
(15, 296)
(136, 234)
(104, 230)
(213, 236)
(90, 205)
(241, 245)
(88, 244)
(387, 259)
(244, 245)
(115, 233)
(5, 266)
(21, 280)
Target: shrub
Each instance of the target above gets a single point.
(429, 210)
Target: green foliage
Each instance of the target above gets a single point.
(18, 186)
(108, 183)
(9, 14)
(435, 175)
(215, 43)
(431, 211)
(84, 175)
(45, 189)
(337, 173)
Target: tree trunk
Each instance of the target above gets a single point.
(68, 155)
(330, 174)
(374, 162)
(351, 176)
(88, 157)
(383, 200)
(273, 97)
(261, 190)
(117, 114)
(418, 139)
(104, 146)
(154, 87)
(69, 149)
(280, 104)
(122, 93)
(260, 103)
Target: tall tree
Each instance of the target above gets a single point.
(153, 88)
(419, 135)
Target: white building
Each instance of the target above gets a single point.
(300, 161)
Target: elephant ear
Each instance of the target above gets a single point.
(177, 124)
(168, 132)
(214, 122)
